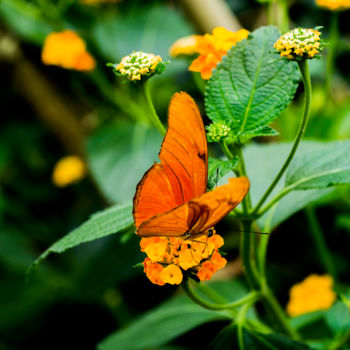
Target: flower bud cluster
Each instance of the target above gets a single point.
(298, 44)
(219, 131)
(169, 258)
(139, 65)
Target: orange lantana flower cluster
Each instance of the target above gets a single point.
(66, 49)
(211, 48)
(168, 258)
(313, 294)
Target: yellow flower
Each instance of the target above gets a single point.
(300, 43)
(168, 258)
(66, 49)
(184, 46)
(334, 5)
(68, 170)
(211, 48)
(313, 294)
(138, 65)
(171, 274)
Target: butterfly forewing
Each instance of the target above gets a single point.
(182, 172)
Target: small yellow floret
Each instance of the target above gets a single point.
(313, 294)
(68, 170)
(66, 49)
(137, 65)
(334, 5)
(172, 274)
(300, 43)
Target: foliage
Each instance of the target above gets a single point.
(95, 294)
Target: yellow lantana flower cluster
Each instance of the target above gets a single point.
(66, 49)
(168, 258)
(313, 294)
(138, 65)
(68, 170)
(334, 5)
(300, 43)
(211, 48)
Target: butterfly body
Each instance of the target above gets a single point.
(172, 199)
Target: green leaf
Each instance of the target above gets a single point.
(327, 166)
(228, 339)
(250, 88)
(218, 168)
(263, 163)
(338, 318)
(101, 224)
(161, 325)
(119, 155)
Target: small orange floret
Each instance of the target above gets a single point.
(68, 170)
(313, 294)
(206, 271)
(66, 49)
(153, 272)
(211, 48)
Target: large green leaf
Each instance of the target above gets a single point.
(118, 156)
(338, 318)
(161, 325)
(101, 224)
(250, 88)
(327, 166)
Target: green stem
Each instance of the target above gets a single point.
(333, 43)
(247, 255)
(249, 298)
(304, 69)
(320, 242)
(338, 343)
(153, 116)
(273, 201)
(278, 312)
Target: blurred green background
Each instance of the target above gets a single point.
(76, 299)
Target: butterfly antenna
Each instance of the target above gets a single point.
(256, 232)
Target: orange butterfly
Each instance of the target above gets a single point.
(172, 198)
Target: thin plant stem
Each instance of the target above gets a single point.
(338, 343)
(304, 69)
(152, 114)
(279, 314)
(251, 297)
(332, 47)
(320, 243)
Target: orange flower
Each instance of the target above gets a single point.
(169, 257)
(211, 48)
(66, 49)
(153, 271)
(313, 294)
(184, 46)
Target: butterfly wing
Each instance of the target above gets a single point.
(182, 172)
(199, 214)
